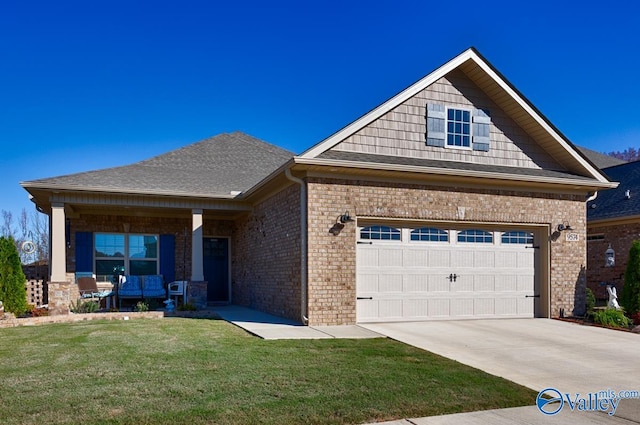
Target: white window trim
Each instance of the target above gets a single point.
(446, 128)
(127, 258)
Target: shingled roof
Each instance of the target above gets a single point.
(613, 203)
(600, 160)
(213, 167)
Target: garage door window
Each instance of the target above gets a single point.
(380, 233)
(429, 234)
(517, 237)
(475, 236)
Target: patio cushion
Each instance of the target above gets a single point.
(130, 287)
(154, 287)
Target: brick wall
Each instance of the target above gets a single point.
(266, 256)
(620, 236)
(332, 260)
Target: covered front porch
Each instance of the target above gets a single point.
(130, 238)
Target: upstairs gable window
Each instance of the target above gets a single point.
(458, 128)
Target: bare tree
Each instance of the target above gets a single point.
(7, 224)
(31, 235)
(629, 154)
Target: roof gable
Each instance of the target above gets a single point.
(218, 166)
(552, 150)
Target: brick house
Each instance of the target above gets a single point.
(613, 223)
(455, 198)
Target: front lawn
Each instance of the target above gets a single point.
(190, 371)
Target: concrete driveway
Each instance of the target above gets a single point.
(536, 353)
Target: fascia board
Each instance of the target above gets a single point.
(102, 190)
(454, 172)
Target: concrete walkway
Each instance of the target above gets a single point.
(536, 353)
(267, 326)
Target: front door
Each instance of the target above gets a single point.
(215, 253)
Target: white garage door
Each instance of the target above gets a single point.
(430, 273)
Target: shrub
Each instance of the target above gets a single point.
(83, 307)
(612, 318)
(141, 306)
(187, 307)
(13, 291)
(591, 301)
(630, 295)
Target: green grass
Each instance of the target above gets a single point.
(188, 371)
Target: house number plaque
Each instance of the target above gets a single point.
(573, 237)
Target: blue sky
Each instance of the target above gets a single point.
(94, 84)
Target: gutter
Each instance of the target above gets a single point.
(303, 245)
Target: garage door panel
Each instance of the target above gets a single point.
(438, 257)
(461, 307)
(506, 306)
(367, 258)
(526, 259)
(439, 307)
(462, 258)
(484, 307)
(416, 283)
(507, 260)
(484, 283)
(463, 284)
(415, 258)
(416, 308)
(526, 284)
(525, 306)
(438, 283)
(390, 309)
(412, 280)
(484, 259)
(390, 257)
(390, 283)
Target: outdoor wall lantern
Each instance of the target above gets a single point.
(610, 257)
(564, 226)
(345, 218)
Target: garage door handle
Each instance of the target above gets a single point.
(364, 298)
(365, 243)
(532, 296)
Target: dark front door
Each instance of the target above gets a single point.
(216, 268)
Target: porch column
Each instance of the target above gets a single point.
(197, 269)
(59, 287)
(58, 244)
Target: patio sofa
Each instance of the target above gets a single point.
(141, 287)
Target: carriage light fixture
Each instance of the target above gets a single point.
(610, 257)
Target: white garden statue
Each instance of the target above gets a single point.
(613, 297)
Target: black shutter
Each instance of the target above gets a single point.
(481, 127)
(435, 125)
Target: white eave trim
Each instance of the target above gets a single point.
(454, 172)
(411, 91)
(104, 191)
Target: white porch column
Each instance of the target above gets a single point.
(197, 269)
(58, 244)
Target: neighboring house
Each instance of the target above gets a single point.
(613, 223)
(454, 199)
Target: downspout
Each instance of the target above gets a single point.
(593, 197)
(303, 245)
